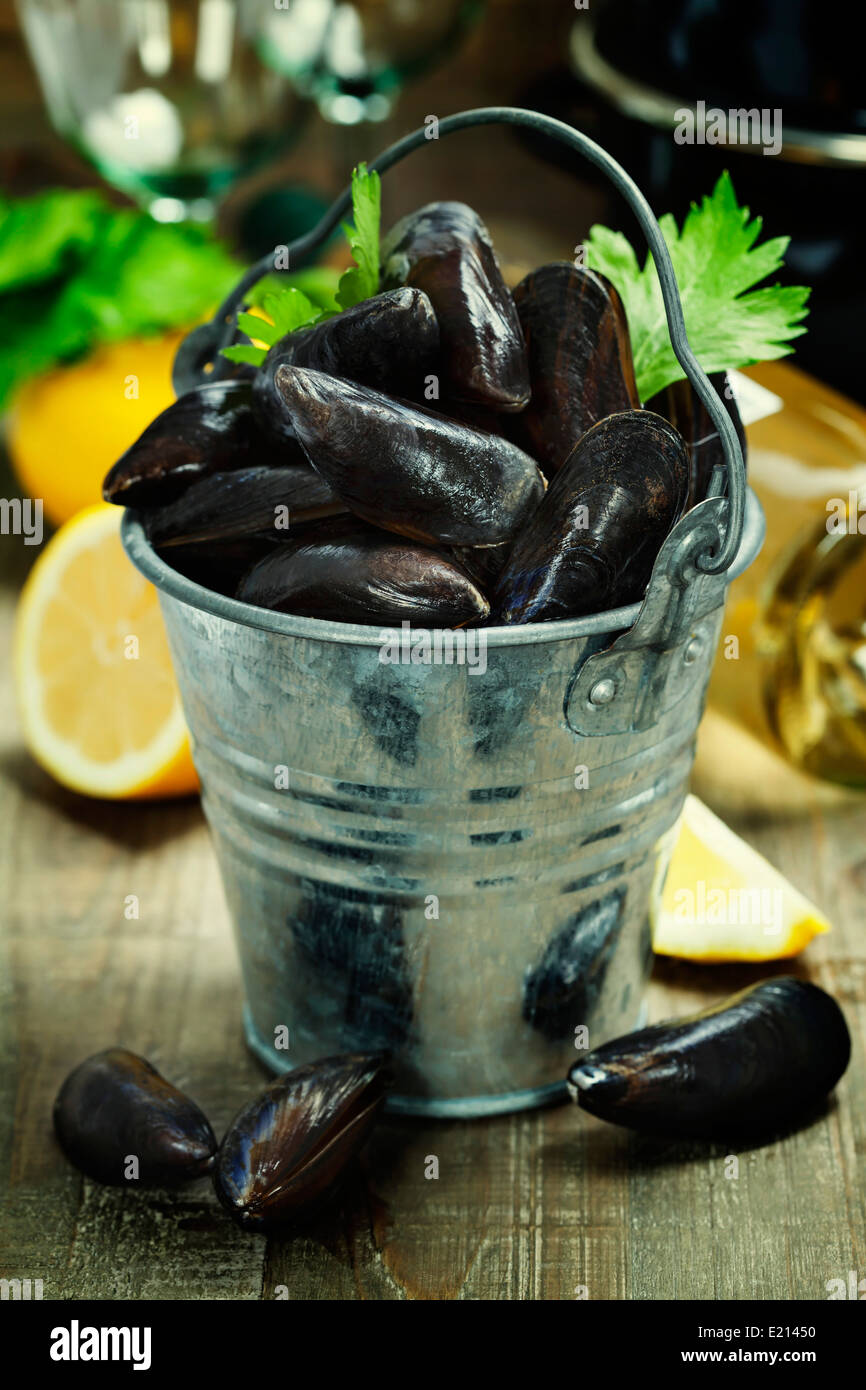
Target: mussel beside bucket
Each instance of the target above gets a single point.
(452, 860)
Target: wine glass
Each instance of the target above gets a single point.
(167, 98)
(353, 58)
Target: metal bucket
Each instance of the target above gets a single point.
(453, 861)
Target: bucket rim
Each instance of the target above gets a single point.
(177, 586)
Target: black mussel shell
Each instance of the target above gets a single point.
(285, 1153)
(345, 571)
(390, 342)
(408, 469)
(209, 430)
(753, 1065)
(580, 362)
(682, 405)
(592, 542)
(561, 992)
(244, 502)
(115, 1106)
(445, 250)
(484, 563)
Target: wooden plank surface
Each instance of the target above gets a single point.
(532, 1206)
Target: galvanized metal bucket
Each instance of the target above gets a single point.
(452, 860)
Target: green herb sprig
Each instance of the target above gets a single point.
(716, 260)
(289, 307)
(77, 272)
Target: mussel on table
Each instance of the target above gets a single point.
(408, 469)
(752, 1065)
(284, 1155)
(115, 1108)
(580, 362)
(244, 502)
(681, 404)
(592, 542)
(390, 342)
(445, 250)
(346, 571)
(211, 429)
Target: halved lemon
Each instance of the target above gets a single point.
(97, 696)
(67, 427)
(723, 901)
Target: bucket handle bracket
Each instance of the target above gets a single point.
(661, 659)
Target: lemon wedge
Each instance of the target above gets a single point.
(722, 901)
(98, 702)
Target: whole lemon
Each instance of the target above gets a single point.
(68, 426)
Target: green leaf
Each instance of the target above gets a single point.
(716, 261)
(245, 352)
(76, 272)
(362, 280)
(259, 328)
(318, 282)
(289, 309)
(39, 235)
(313, 294)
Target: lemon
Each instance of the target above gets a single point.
(722, 901)
(68, 426)
(99, 705)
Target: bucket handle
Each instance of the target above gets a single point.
(200, 349)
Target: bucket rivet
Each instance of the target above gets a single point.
(602, 692)
(692, 651)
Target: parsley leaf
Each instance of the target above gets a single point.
(362, 280)
(312, 295)
(716, 260)
(76, 272)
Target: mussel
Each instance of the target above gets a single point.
(580, 362)
(390, 342)
(445, 250)
(115, 1107)
(348, 572)
(209, 430)
(408, 469)
(484, 563)
(285, 1153)
(592, 542)
(562, 990)
(753, 1065)
(682, 405)
(226, 506)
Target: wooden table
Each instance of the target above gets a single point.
(539, 1205)
(532, 1206)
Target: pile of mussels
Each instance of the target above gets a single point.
(446, 452)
